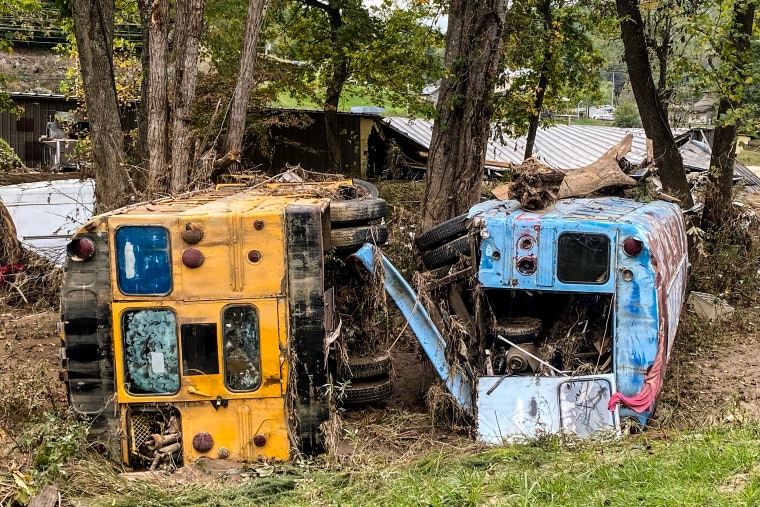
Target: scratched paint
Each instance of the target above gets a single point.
(647, 289)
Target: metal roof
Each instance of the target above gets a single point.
(560, 146)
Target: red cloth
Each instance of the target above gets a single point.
(16, 267)
(642, 401)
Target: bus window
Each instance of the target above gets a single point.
(583, 258)
(200, 352)
(151, 358)
(143, 260)
(242, 365)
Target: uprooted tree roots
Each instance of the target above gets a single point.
(26, 279)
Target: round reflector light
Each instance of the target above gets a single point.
(259, 440)
(254, 256)
(192, 258)
(192, 233)
(632, 247)
(80, 249)
(203, 442)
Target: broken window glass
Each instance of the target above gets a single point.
(583, 258)
(151, 354)
(143, 260)
(242, 365)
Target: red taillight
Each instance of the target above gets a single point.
(80, 249)
(192, 233)
(259, 440)
(632, 247)
(203, 442)
(192, 258)
(254, 256)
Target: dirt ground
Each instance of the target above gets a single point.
(713, 376)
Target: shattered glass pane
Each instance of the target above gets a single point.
(151, 354)
(583, 258)
(583, 406)
(241, 348)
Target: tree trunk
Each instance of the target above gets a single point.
(654, 116)
(718, 196)
(543, 80)
(239, 107)
(338, 77)
(157, 104)
(188, 26)
(93, 29)
(143, 155)
(460, 133)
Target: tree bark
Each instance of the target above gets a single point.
(543, 80)
(239, 107)
(718, 197)
(654, 116)
(188, 26)
(460, 132)
(157, 104)
(338, 77)
(143, 7)
(93, 29)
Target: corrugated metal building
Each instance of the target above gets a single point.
(561, 146)
(23, 131)
(307, 145)
(288, 142)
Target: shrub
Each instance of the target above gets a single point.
(627, 116)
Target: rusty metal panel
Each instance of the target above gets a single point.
(648, 287)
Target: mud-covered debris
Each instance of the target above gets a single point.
(535, 185)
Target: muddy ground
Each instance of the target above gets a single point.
(713, 376)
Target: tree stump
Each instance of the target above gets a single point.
(10, 247)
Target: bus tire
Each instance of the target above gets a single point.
(365, 368)
(359, 393)
(357, 210)
(368, 187)
(446, 254)
(442, 233)
(354, 237)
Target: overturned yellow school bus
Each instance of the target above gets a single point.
(197, 325)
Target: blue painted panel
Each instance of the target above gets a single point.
(514, 408)
(427, 334)
(143, 260)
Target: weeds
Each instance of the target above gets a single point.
(726, 261)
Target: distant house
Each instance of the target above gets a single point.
(701, 112)
(431, 92)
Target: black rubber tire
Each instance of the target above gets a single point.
(368, 187)
(365, 368)
(446, 254)
(354, 237)
(442, 233)
(357, 210)
(358, 393)
(517, 330)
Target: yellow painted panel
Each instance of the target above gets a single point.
(209, 387)
(234, 427)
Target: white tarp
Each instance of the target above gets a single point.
(47, 213)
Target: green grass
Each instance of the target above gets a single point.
(718, 467)
(749, 156)
(348, 100)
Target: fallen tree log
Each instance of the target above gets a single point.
(603, 173)
(536, 185)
